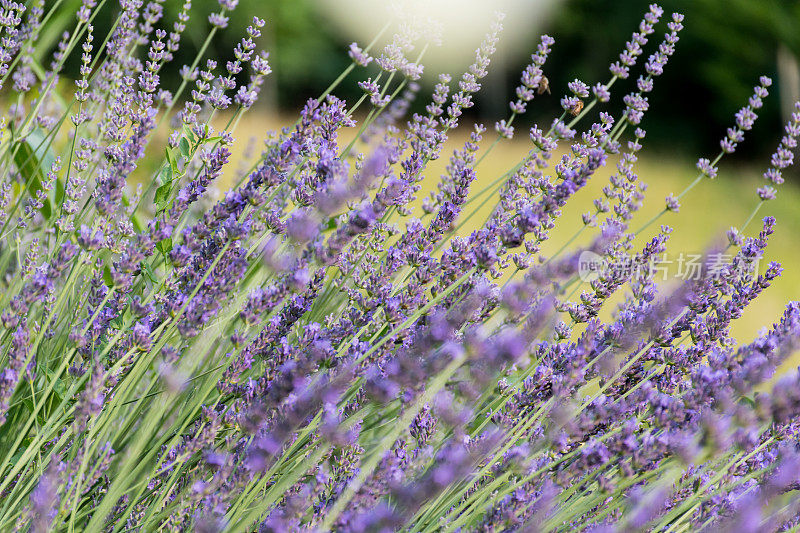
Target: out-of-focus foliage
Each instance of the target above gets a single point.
(304, 51)
(725, 46)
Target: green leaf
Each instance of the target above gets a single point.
(164, 247)
(749, 401)
(28, 403)
(60, 192)
(33, 159)
(148, 270)
(185, 148)
(162, 196)
(59, 388)
(117, 322)
(165, 177)
(189, 133)
(107, 278)
(173, 163)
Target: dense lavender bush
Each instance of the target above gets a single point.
(315, 350)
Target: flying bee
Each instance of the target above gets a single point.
(544, 86)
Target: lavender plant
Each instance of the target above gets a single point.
(318, 349)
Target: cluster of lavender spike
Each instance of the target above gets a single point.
(308, 352)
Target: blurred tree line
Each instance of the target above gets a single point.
(724, 47)
(305, 53)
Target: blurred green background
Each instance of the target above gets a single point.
(725, 46)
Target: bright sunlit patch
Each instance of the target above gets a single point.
(461, 24)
